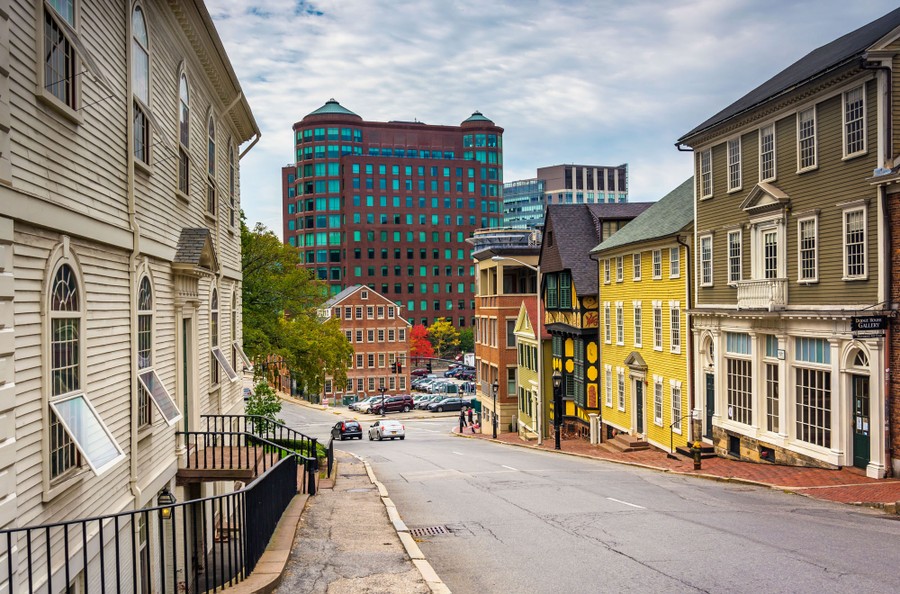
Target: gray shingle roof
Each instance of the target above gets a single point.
(672, 213)
(576, 230)
(832, 55)
(341, 296)
(195, 247)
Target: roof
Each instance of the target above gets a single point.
(477, 116)
(341, 296)
(195, 248)
(818, 62)
(332, 107)
(580, 226)
(531, 311)
(672, 213)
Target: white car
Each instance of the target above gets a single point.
(362, 404)
(386, 429)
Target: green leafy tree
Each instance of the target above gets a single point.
(264, 402)
(280, 302)
(467, 340)
(443, 336)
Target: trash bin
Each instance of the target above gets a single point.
(348, 399)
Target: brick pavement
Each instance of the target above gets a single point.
(848, 485)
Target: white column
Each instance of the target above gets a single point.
(840, 417)
(784, 392)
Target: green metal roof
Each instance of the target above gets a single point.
(332, 107)
(477, 116)
(669, 215)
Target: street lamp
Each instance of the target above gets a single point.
(557, 404)
(494, 387)
(165, 498)
(382, 389)
(540, 350)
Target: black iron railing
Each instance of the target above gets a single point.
(266, 428)
(329, 454)
(192, 546)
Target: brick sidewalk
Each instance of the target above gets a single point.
(848, 485)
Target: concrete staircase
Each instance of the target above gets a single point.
(623, 443)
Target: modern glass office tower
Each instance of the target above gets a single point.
(391, 204)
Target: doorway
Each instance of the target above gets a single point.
(859, 388)
(186, 372)
(710, 404)
(639, 404)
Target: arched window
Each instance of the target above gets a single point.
(150, 387)
(184, 135)
(211, 168)
(214, 336)
(76, 431)
(140, 83)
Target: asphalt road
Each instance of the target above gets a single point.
(506, 519)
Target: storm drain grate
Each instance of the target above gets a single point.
(429, 531)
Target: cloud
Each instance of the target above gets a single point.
(599, 82)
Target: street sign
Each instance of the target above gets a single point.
(868, 326)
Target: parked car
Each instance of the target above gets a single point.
(419, 372)
(346, 429)
(449, 404)
(247, 393)
(400, 403)
(386, 429)
(429, 399)
(363, 404)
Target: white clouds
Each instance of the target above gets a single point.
(602, 82)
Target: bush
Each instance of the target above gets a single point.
(264, 402)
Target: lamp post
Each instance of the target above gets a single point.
(167, 499)
(557, 405)
(540, 350)
(494, 387)
(382, 389)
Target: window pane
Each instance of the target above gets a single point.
(91, 438)
(160, 396)
(223, 362)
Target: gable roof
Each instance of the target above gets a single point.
(195, 248)
(818, 62)
(672, 213)
(341, 296)
(576, 230)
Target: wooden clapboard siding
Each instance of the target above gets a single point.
(824, 189)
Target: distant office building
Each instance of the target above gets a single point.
(390, 205)
(524, 200)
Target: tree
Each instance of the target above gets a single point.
(467, 340)
(280, 302)
(263, 402)
(419, 346)
(443, 336)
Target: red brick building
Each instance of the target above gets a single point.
(379, 335)
(390, 205)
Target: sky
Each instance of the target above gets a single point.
(591, 82)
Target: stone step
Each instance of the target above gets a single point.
(628, 443)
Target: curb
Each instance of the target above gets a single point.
(712, 477)
(432, 579)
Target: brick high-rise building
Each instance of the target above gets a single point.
(391, 204)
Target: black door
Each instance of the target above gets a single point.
(639, 404)
(860, 389)
(710, 403)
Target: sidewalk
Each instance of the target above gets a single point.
(847, 485)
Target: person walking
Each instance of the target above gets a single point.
(471, 422)
(462, 420)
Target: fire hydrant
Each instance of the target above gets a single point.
(695, 453)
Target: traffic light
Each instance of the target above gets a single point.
(393, 368)
(428, 365)
(399, 367)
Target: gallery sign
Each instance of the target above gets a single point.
(868, 326)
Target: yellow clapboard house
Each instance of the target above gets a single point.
(644, 330)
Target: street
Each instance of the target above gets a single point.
(499, 518)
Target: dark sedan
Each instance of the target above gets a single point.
(346, 430)
(449, 404)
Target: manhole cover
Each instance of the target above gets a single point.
(429, 531)
(349, 475)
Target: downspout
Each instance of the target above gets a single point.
(690, 332)
(132, 260)
(885, 159)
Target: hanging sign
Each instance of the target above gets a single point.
(868, 326)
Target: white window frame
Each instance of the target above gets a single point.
(801, 114)
(706, 174)
(607, 323)
(636, 266)
(656, 269)
(620, 269)
(764, 132)
(657, 326)
(609, 381)
(705, 261)
(674, 262)
(758, 256)
(848, 210)
(735, 261)
(620, 389)
(734, 164)
(676, 411)
(606, 271)
(847, 123)
(814, 278)
(675, 328)
(620, 323)
(658, 400)
(638, 313)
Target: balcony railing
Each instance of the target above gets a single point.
(191, 546)
(768, 293)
